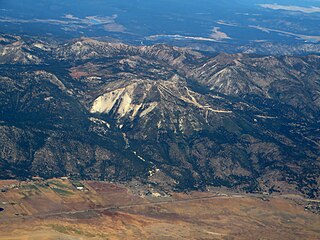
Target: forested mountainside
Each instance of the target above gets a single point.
(167, 116)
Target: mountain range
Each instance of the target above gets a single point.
(170, 117)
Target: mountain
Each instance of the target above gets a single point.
(166, 116)
(285, 27)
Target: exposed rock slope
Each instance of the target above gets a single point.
(164, 115)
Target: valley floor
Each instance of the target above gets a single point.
(69, 210)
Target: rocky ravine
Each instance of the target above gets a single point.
(170, 117)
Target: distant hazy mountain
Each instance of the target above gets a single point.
(233, 26)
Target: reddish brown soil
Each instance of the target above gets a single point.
(196, 215)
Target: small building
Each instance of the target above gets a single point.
(155, 194)
(80, 188)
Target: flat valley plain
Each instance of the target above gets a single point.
(68, 210)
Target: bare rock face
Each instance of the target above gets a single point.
(166, 116)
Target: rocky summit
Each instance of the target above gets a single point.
(171, 117)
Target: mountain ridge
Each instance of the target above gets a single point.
(167, 116)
